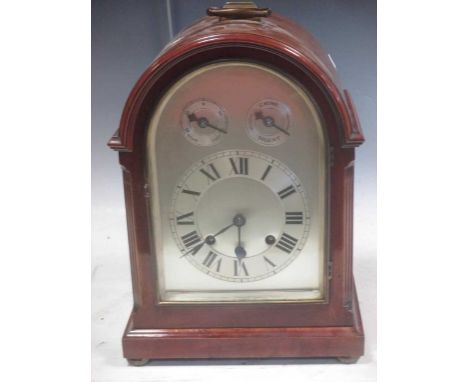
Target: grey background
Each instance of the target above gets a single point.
(126, 37)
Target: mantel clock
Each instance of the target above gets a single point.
(237, 148)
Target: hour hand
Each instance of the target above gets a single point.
(240, 251)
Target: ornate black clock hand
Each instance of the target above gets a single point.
(220, 232)
(269, 122)
(210, 239)
(240, 252)
(203, 122)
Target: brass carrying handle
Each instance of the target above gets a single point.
(239, 10)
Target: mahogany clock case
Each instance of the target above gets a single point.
(270, 330)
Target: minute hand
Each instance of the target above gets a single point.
(196, 248)
(223, 230)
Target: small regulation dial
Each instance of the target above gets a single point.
(269, 122)
(204, 123)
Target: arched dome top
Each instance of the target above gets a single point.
(274, 34)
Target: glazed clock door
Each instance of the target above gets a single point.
(237, 170)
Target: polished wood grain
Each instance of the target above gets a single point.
(291, 329)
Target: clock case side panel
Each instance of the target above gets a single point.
(147, 311)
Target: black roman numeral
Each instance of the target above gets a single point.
(190, 192)
(190, 239)
(286, 243)
(294, 218)
(266, 172)
(196, 248)
(210, 172)
(286, 192)
(268, 261)
(209, 259)
(239, 267)
(186, 219)
(241, 167)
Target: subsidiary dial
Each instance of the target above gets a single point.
(204, 123)
(269, 122)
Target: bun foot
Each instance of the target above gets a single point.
(138, 362)
(348, 360)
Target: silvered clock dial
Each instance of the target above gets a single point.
(238, 194)
(239, 215)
